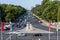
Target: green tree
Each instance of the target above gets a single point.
(49, 16)
(8, 12)
(58, 15)
(48, 10)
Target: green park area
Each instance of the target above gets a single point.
(10, 12)
(48, 10)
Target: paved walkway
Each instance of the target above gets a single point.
(46, 23)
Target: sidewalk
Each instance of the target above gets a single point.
(46, 23)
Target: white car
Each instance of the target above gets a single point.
(7, 26)
(21, 34)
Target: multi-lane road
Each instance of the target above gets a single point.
(29, 17)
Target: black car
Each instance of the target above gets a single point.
(37, 35)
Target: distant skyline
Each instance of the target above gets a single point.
(28, 4)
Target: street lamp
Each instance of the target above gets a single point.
(56, 25)
(57, 29)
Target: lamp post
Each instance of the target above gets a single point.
(57, 25)
(57, 29)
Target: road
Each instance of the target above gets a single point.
(36, 24)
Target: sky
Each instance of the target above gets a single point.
(28, 4)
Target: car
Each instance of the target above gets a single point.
(15, 25)
(38, 34)
(40, 21)
(21, 34)
(7, 26)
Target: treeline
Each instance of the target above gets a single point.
(10, 12)
(48, 10)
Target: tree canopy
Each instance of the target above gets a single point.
(10, 12)
(48, 10)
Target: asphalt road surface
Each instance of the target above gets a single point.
(15, 37)
(35, 22)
